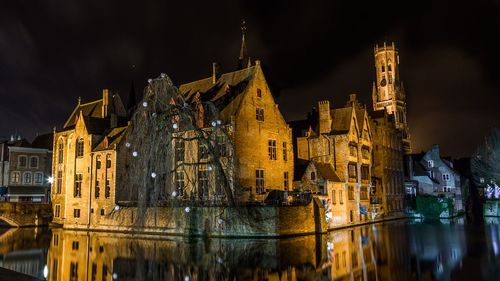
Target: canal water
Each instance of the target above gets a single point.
(396, 250)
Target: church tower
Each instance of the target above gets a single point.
(388, 91)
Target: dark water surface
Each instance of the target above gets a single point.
(397, 250)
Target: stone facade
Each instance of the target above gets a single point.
(342, 138)
(388, 90)
(388, 191)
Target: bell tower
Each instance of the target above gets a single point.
(388, 91)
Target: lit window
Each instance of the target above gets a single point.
(271, 150)
(15, 177)
(77, 192)
(259, 114)
(79, 147)
(23, 161)
(259, 181)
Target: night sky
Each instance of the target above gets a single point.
(52, 52)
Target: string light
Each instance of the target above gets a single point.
(153, 175)
(145, 104)
(135, 153)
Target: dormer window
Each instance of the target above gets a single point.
(259, 93)
(430, 164)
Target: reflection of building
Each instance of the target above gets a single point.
(75, 255)
(387, 194)
(25, 169)
(30, 262)
(342, 139)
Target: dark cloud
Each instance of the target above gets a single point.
(52, 52)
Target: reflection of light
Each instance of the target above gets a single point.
(50, 180)
(45, 272)
(186, 278)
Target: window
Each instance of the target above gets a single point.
(94, 271)
(33, 162)
(353, 151)
(23, 161)
(77, 192)
(259, 114)
(363, 193)
(98, 162)
(344, 261)
(365, 172)
(430, 163)
(383, 68)
(202, 151)
(79, 147)
(259, 93)
(312, 176)
(75, 245)
(27, 178)
(259, 181)
(179, 150)
(97, 189)
(59, 182)
(337, 261)
(446, 177)
(354, 259)
(285, 156)
(179, 182)
(390, 78)
(221, 140)
(56, 240)
(350, 194)
(107, 190)
(341, 196)
(15, 177)
(38, 177)
(365, 153)
(57, 211)
(271, 149)
(108, 161)
(285, 183)
(203, 183)
(73, 271)
(334, 200)
(352, 171)
(60, 152)
(389, 67)
(102, 212)
(76, 213)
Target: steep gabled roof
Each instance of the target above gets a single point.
(114, 136)
(342, 118)
(94, 109)
(225, 93)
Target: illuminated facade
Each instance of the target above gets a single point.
(342, 138)
(388, 91)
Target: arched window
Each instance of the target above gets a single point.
(33, 162)
(108, 161)
(27, 178)
(98, 162)
(23, 161)
(60, 152)
(79, 147)
(15, 177)
(313, 176)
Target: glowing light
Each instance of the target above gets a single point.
(135, 154)
(154, 114)
(50, 180)
(153, 175)
(174, 194)
(163, 75)
(214, 123)
(145, 104)
(175, 126)
(117, 208)
(127, 144)
(219, 122)
(45, 272)
(186, 278)
(115, 276)
(187, 210)
(210, 168)
(150, 80)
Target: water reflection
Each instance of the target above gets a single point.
(390, 251)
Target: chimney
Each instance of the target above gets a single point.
(215, 72)
(325, 119)
(105, 102)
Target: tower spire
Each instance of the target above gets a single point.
(243, 59)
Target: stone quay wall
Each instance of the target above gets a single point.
(244, 221)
